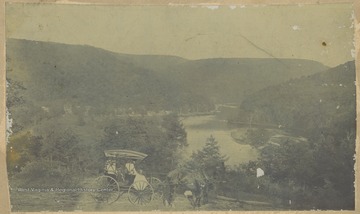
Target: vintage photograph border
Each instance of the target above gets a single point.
(4, 188)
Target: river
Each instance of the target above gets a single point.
(199, 128)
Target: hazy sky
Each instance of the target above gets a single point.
(193, 32)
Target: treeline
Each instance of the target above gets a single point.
(86, 76)
(306, 105)
(162, 139)
(59, 153)
(318, 172)
(48, 147)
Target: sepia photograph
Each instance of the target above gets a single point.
(114, 108)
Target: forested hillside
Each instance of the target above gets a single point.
(83, 75)
(318, 171)
(311, 103)
(86, 76)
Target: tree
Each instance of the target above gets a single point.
(40, 174)
(175, 130)
(61, 147)
(161, 138)
(335, 170)
(209, 160)
(291, 161)
(22, 149)
(311, 170)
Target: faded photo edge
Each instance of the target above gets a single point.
(4, 187)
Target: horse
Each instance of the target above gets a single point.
(193, 184)
(194, 192)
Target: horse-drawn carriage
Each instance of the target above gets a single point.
(121, 177)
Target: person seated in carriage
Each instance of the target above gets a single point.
(130, 171)
(132, 175)
(110, 169)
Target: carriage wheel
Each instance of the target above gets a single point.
(140, 193)
(158, 187)
(105, 189)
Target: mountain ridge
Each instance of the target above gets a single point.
(97, 75)
(320, 98)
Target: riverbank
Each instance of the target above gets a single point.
(199, 128)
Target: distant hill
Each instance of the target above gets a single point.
(229, 80)
(325, 100)
(226, 79)
(91, 76)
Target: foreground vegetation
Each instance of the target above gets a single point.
(60, 128)
(316, 172)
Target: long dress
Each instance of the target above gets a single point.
(140, 181)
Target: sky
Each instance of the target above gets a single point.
(322, 33)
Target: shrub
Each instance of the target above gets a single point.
(40, 174)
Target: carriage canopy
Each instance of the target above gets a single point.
(125, 154)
